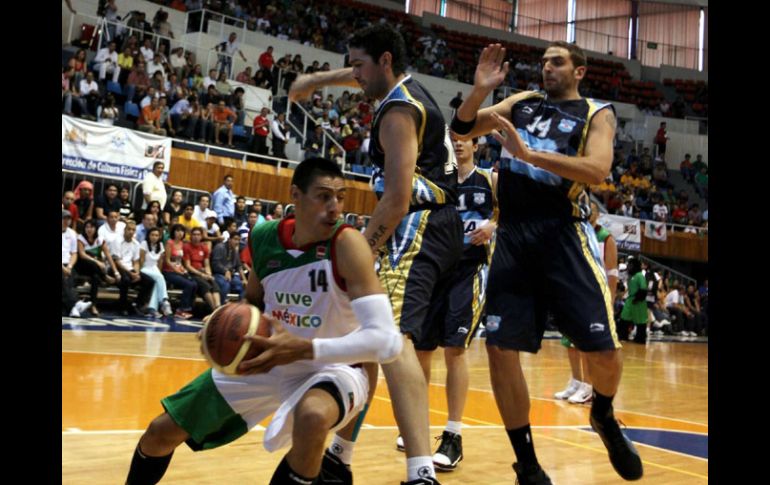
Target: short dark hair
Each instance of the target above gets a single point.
(576, 54)
(154, 165)
(377, 39)
(229, 175)
(186, 205)
(196, 229)
(177, 227)
(200, 197)
(311, 168)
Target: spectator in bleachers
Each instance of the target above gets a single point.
(224, 119)
(686, 168)
(659, 210)
(195, 79)
(196, 261)
(682, 320)
(314, 143)
(199, 212)
(642, 202)
(147, 51)
(174, 207)
(149, 119)
(112, 231)
(627, 210)
(95, 261)
(107, 113)
(68, 204)
(127, 252)
(79, 65)
(223, 199)
(187, 220)
(152, 93)
(84, 200)
(106, 202)
(245, 77)
(266, 59)
(264, 79)
(206, 123)
(660, 174)
(149, 220)
(223, 86)
(240, 214)
(227, 268)
(238, 105)
(212, 235)
(154, 208)
(106, 61)
(88, 96)
(693, 305)
(138, 82)
(67, 90)
(261, 130)
(245, 229)
(180, 114)
(153, 187)
(69, 256)
(280, 135)
(679, 214)
(151, 252)
(694, 215)
(276, 214)
(175, 272)
(178, 62)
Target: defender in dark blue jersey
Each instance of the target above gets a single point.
(415, 224)
(457, 314)
(546, 257)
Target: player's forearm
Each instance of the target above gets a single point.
(336, 77)
(376, 341)
(385, 219)
(580, 169)
(470, 106)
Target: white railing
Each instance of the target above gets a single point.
(304, 128)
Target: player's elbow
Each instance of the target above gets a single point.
(390, 349)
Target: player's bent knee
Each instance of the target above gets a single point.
(163, 431)
(313, 422)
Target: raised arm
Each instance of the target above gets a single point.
(303, 87)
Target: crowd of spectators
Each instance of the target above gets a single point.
(151, 249)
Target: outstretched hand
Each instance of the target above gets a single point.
(489, 71)
(280, 349)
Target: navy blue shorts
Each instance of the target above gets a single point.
(456, 315)
(548, 265)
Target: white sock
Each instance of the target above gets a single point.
(342, 449)
(454, 427)
(418, 467)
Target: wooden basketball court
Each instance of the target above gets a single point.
(112, 383)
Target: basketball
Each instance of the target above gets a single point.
(223, 343)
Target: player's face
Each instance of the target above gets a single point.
(320, 208)
(559, 74)
(464, 149)
(368, 73)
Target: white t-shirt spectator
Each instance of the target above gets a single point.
(153, 186)
(672, 298)
(127, 252)
(69, 245)
(86, 87)
(150, 258)
(661, 212)
(110, 236)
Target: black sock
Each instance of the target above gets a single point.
(521, 439)
(602, 405)
(147, 470)
(284, 475)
